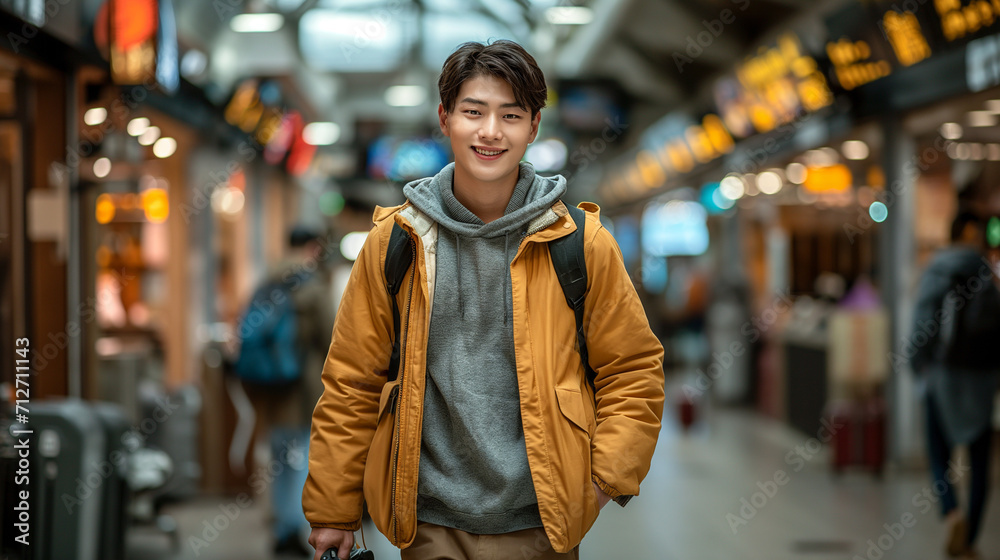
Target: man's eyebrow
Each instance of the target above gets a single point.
(475, 101)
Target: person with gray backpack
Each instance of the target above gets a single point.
(955, 329)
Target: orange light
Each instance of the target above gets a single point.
(105, 211)
(876, 178)
(156, 205)
(829, 179)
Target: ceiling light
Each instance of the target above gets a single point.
(982, 118)
(976, 152)
(732, 187)
(321, 133)
(149, 136)
(993, 152)
(821, 157)
(854, 149)
(405, 96)
(964, 151)
(952, 150)
(102, 167)
(569, 15)
(137, 126)
(769, 182)
(95, 116)
(796, 173)
(165, 147)
(951, 131)
(256, 23)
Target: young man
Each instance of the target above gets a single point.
(489, 443)
(958, 397)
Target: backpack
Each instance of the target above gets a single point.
(970, 327)
(269, 353)
(567, 259)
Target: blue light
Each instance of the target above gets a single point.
(878, 211)
(675, 228)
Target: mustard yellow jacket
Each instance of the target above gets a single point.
(366, 433)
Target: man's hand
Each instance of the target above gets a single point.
(602, 498)
(322, 539)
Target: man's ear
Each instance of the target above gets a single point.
(534, 126)
(443, 120)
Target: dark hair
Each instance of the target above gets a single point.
(502, 59)
(963, 219)
(301, 235)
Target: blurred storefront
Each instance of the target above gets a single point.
(827, 167)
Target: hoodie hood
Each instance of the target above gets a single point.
(532, 195)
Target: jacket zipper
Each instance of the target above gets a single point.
(397, 402)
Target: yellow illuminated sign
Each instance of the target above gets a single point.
(828, 179)
(906, 37)
(153, 202)
(777, 83)
(852, 65)
(105, 211)
(156, 205)
(957, 20)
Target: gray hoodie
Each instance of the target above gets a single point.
(474, 472)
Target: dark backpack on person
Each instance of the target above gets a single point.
(567, 259)
(269, 353)
(970, 327)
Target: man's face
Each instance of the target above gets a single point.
(489, 132)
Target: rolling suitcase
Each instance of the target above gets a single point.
(68, 475)
(115, 491)
(859, 439)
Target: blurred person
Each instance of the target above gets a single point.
(284, 408)
(956, 310)
(489, 440)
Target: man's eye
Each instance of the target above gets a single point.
(513, 116)
(471, 111)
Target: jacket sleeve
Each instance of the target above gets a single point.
(927, 316)
(344, 420)
(628, 360)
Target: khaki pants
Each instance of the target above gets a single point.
(434, 542)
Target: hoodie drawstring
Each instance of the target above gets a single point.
(506, 276)
(461, 300)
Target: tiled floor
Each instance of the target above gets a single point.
(690, 507)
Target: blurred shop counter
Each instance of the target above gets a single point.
(825, 355)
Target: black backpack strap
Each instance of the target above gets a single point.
(398, 258)
(571, 268)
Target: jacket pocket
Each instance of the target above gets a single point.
(572, 407)
(378, 467)
(577, 499)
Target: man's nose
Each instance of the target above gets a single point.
(490, 129)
